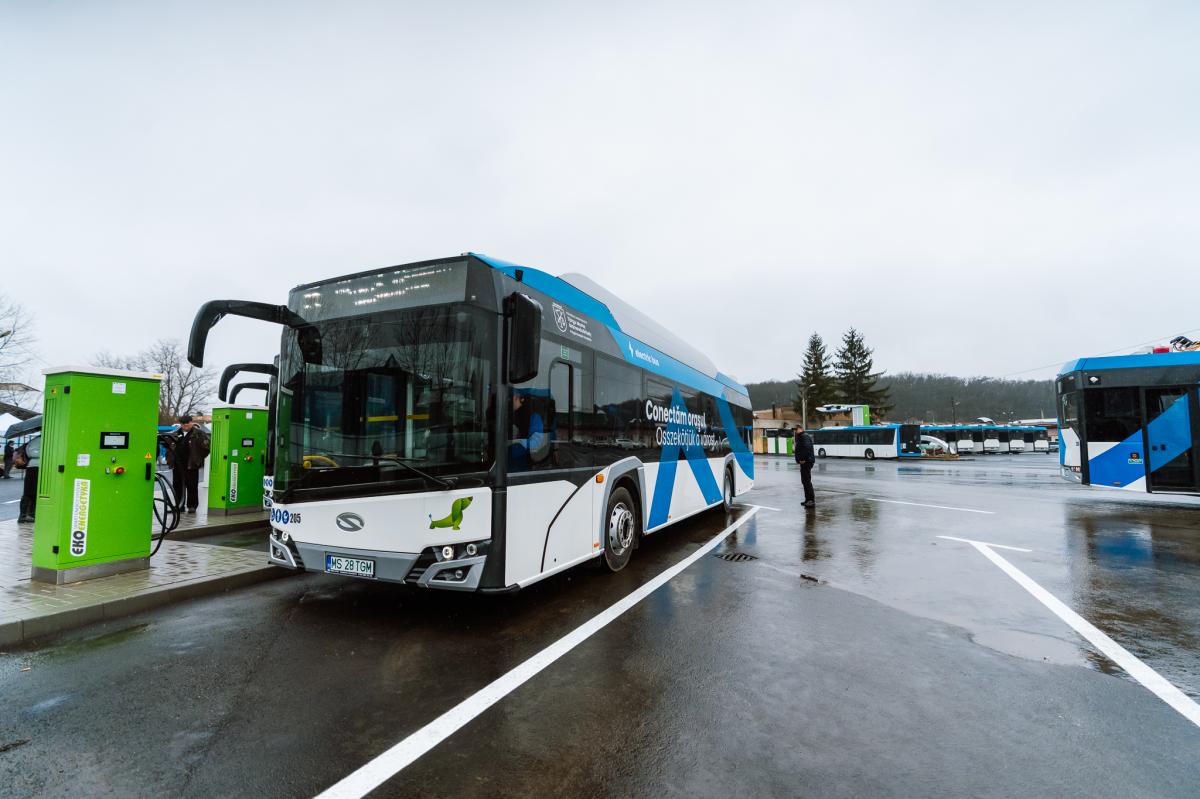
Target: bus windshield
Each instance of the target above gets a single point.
(397, 400)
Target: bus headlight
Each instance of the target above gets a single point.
(447, 553)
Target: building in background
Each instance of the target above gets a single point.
(773, 430)
(21, 396)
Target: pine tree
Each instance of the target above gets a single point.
(853, 378)
(815, 373)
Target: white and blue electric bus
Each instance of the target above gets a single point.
(1131, 421)
(868, 441)
(471, 424)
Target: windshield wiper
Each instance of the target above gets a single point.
(444, 483)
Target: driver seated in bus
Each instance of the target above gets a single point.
(530, 444)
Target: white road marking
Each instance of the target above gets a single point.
(985, 543)
(387, 765)
(12, 501)
(924, 505)
(763, 507)
(1148, 677)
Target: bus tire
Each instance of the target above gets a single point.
(869, 454)
(727, 490)
(821, 453)
(620, 530)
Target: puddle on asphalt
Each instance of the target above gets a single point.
(1032, 646)
(88, 645)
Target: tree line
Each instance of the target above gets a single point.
(849, 377)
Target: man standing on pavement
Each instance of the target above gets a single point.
(28, 457)
(8, 458)
(803, 448)
(187, 448)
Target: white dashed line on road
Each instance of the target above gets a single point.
(924, 505)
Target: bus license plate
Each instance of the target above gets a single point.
(354, 567)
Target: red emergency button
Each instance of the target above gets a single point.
(119, 470)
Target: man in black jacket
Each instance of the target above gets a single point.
(187, 447)
(803, 449)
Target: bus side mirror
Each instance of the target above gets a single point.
(524, 336)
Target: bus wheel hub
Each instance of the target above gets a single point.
(620, 528)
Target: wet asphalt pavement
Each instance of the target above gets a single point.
(858, 654)
(10, 495)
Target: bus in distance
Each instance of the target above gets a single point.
(868, 441)
(471, 424)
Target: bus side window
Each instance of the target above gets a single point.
(566, 392)
(617, 426)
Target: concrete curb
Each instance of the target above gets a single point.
(192, 533)
(24, 630)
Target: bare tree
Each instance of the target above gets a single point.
(16, 348)
(184, 389)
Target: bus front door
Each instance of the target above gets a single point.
(1169, 425)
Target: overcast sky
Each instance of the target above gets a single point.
(981, 188)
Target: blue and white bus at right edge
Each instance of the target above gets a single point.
(1131, 422)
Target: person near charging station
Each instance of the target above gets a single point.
(187, 447)
(27, 457)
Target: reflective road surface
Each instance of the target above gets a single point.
(844, 651)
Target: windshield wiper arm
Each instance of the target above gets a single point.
(446, 484)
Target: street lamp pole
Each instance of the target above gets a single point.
(804, 404)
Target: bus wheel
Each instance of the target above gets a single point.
(821, 453)
(870, 454)
(727, 490)
(621, 529)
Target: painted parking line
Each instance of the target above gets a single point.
(985, 543)
(387, 765)
(12, 501)
(761, 507)
(1148, 677)
(924, 505)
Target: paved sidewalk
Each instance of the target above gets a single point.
(181, 570)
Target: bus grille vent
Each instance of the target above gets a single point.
(423, 563)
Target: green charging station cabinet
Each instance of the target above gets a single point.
(238, 459)
(95, 489)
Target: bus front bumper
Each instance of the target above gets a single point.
(460, 574)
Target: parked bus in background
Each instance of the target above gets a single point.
(947, 433)
(1015, 436)
(868, 441)
(990, 438)
(959, 438)
(1037, 439)
(1131, 421)
(1049, 426)
(471, 424)
(970, 439)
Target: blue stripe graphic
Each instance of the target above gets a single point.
(1171, 431)
(664, 486)
(741, 452)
